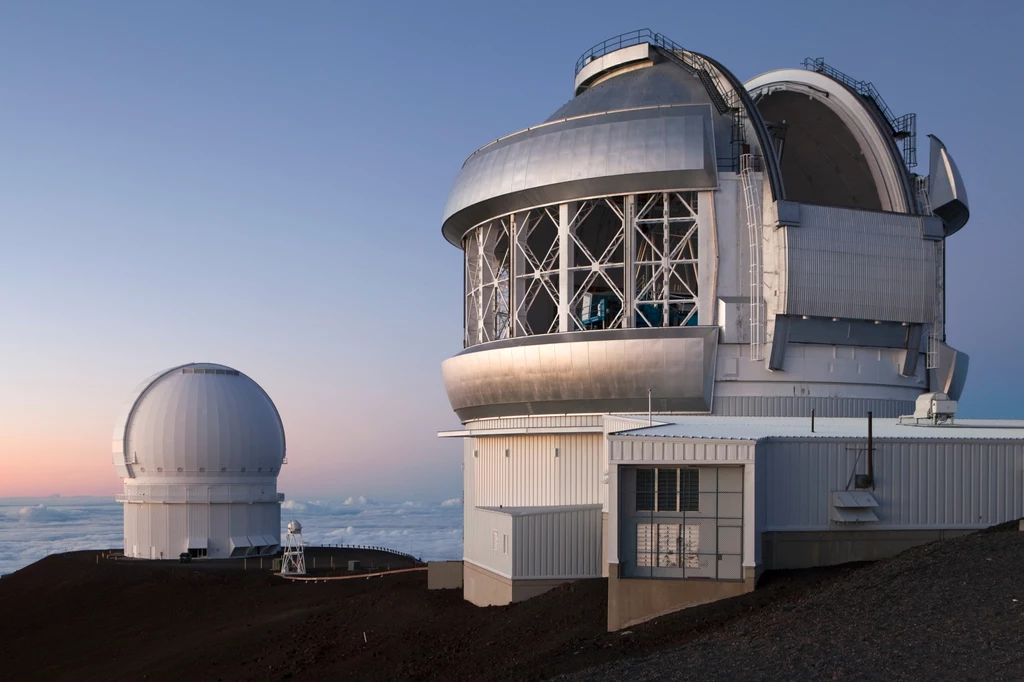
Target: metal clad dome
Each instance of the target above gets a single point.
(199, 419)
(644, 129)
(657, 85)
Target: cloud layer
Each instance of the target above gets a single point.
(31, 528)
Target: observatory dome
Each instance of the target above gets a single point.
(199, 447)
(199, 419)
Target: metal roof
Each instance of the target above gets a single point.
(530, 511)
(758, 428)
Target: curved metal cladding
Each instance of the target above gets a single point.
(199, 420)
(824, 111)
(647, 129)
(601, 371)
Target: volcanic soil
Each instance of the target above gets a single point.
(949, 610)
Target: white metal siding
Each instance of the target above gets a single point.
(953, 484)
(557, 544)
(863, 265)
(531, 475)
(479, 540)
(680, 450)
(536, 422)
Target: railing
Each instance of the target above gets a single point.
(375, 549)
(903, 127)
(693, 62)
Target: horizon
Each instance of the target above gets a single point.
(202, 183)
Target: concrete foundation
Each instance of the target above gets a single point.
(444, 575)
(806, 549)
(635, 600)
(485, 588)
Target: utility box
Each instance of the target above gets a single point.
(276, 565)
(444, 575)
(353, 565)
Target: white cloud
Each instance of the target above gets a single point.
(31, 528)
(359, 501)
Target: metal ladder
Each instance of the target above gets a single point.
(753, 205)
(935, 337)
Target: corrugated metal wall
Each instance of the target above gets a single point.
(534, 422)
(680, 450)
(557, 544)
(532, 475)
(863, 265)
(801, 406)
(917, 483)
(153, 529)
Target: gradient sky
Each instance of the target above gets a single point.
(261, 184)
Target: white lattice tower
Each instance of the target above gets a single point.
(294, 560)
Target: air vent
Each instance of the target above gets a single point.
(203, 370)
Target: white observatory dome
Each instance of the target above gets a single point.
(199, 420)
(200, 447)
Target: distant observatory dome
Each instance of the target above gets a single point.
(199, 419)
(199, 447)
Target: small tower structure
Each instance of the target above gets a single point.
(294, 559)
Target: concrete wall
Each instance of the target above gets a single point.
(444, 575)
(635, 600)
(485, 588)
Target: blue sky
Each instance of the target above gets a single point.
(261, 184)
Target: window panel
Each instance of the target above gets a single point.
(668, 490)
(645, 489)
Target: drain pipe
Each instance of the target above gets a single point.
(650, 418)
(812, 420)
(871, 454)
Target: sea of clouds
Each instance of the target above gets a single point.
(31, 528)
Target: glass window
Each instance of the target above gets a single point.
(645, 489)
(689, 487)
(668, 489)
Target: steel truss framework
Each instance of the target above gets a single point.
(611, 262)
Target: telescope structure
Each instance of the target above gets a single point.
(670, 273)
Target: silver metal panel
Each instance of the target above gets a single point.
(864, 265)
(580, 372)
(603, 153)
(801, 406)
(946, 191)
(918, 483)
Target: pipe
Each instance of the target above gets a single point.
(812, 420)
(871, 454)
(650, 419)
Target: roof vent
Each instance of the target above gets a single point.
(933, 408)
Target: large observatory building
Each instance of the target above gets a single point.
(696, 311)
(199, 447)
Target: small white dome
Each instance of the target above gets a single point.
(294, 527)
(199, 420)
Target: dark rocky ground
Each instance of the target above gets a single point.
(944, 611)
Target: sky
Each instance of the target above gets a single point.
(261, 184)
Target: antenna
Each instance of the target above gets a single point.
(294, 559)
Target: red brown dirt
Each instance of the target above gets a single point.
(67, 617)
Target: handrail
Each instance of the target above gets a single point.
(904, 127)
(694, 62)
